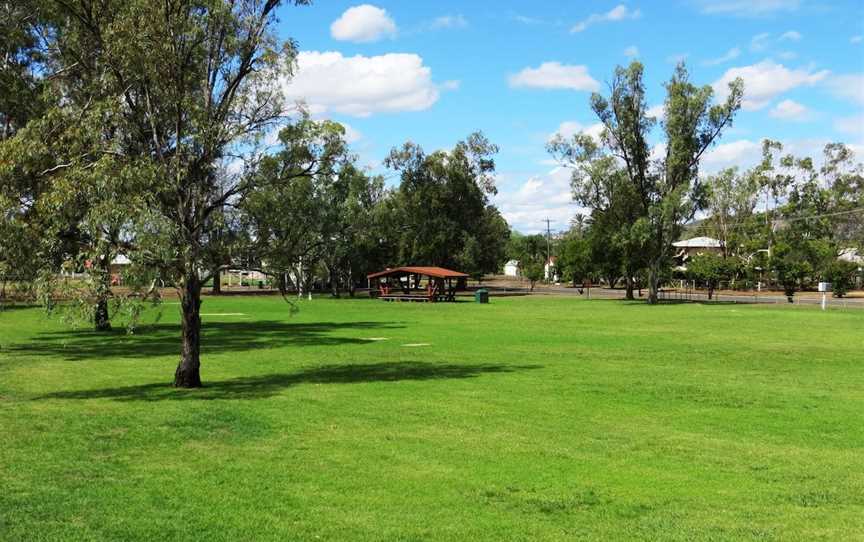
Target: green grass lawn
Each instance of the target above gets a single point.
(534, 418)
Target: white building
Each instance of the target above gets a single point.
(550, 271)
(511, 268)
(688, 248)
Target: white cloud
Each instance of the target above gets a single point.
(569, 128)
(790, 110)
(618, 13)
(539, 197)
(657, 111)
(759, 42)
(731, 54)
(742, 153)
(856, 39)
(631, 51)
(766, 80)
(363, 24)
(848, 87)
(352, 135)
(851, 125)
(361, 86)
(449, 21)
(452, 84)
(554, 75)
(790, 36)
(747, 8)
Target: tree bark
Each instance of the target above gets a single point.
(100, 318)
(188, 370)
(217, 282)
(629, 285)
(653, 285)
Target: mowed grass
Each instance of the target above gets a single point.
(535, 418)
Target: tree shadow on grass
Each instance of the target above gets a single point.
(217, 337)
(263, 386)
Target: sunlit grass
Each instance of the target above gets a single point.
(529, 418)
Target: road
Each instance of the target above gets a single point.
(770, 298)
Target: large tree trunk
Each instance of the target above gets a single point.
(188, 370)
(334, 282)
(217, 283)
(653, 285)
(629, 285)
(101, 318)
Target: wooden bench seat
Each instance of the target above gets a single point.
(392, 297)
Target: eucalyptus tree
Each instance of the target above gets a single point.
(289, 214)
(442, 199)
(600, 183)
(21, 89)
(193, 80)
(667, 190)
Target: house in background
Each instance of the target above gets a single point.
(688, 248)
(511, 268)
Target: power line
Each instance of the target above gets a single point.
(789, 219)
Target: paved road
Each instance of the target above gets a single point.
(605, 293)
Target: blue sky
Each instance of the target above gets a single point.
(433, 72)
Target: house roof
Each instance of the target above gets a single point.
(512, 262)
(851, 255)
(699, 242)
(437, 272)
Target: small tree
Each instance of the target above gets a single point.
(533, 271)
(710, 269)
(841, 275)
(790, 268)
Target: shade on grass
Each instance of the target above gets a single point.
(529, 418)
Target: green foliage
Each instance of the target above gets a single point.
(841, 274)
(532, 270)
(646, 202)
(443, 212)
(574, 260)
(710, 269)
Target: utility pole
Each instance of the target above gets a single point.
(548, 238)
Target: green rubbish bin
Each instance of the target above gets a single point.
(481, 295)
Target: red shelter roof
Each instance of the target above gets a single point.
(437, 272)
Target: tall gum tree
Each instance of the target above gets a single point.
(667, 189)
(198, 80)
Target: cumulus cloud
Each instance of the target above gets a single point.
(554, 75)
(363, 24)
(746, 8)
(742, 153)
(848, 87)
(790, 36)
(539, 197)
(766, 80)
(631, 51)
(731, 54)
(657, 111)
(569, 128)
(618, 13)
(790, 110)
(360, 85)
